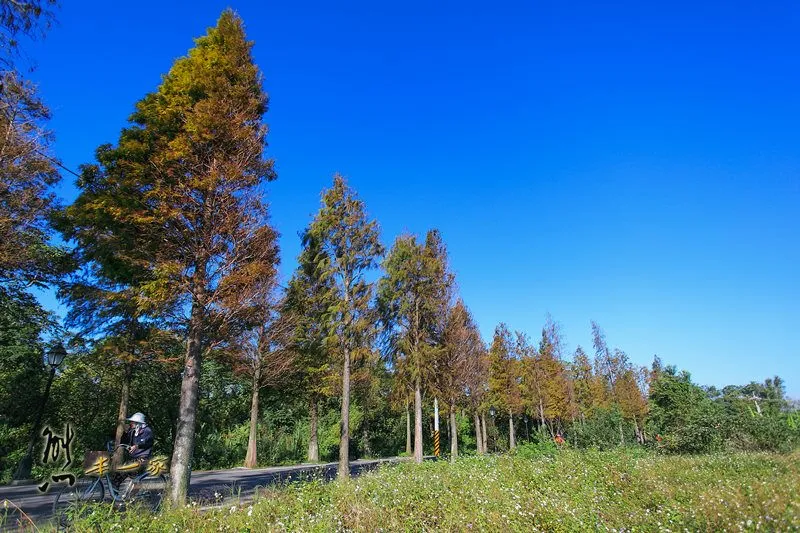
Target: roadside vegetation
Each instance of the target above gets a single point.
(538, 488)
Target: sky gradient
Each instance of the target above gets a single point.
(635, 165)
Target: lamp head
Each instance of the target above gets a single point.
(56, 355)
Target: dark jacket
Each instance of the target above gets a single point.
(143, 442)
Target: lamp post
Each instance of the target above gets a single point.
(55, 356)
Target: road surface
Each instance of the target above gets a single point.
(208, 488)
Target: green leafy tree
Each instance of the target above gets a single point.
(683, 415)
(767, 397)
(23, 327)
(121, 334)
(349, 248)
(310, 295)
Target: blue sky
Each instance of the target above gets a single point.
(632, 164)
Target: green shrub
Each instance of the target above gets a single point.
(775, 433)
(531, 450)
(601, 431)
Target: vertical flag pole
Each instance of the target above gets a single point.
(436, 427)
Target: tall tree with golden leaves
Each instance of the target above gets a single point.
(505, 377)
(184, 183)
(590, 393)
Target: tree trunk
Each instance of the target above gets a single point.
(408, 428)
(453, 432)
(251, 459)
(640, 438)
(313, 438)
(512, 441)
(483, 432)
(621, 435)
(418, 421)
(447, 429)
(183, 449)
(123, 412)
(344, 440)
(478, 436)
(541, 412)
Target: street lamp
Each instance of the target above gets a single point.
(55, 356)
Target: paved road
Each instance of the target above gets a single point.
(210, 487)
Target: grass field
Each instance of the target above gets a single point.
(624, 490)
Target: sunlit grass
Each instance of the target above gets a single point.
(570, 491)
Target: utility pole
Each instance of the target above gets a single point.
(436, 427)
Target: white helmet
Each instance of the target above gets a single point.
(136, 417)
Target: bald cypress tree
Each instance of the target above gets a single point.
(348, 247)
(27, 166)
(413, 298)
(180, 198)
(310, 295)
(504, 373)
(462, 346)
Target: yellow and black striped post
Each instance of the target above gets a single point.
(436, 449)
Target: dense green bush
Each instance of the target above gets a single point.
(771, 432)
(531, 450)
(23, 322)
(601, 431)
(683, 415)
